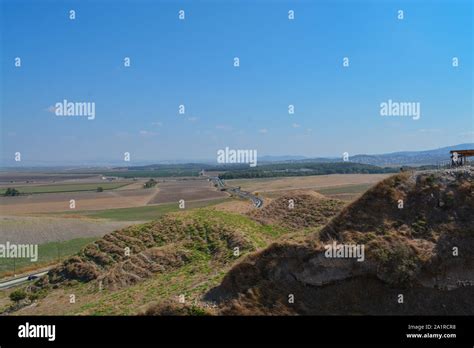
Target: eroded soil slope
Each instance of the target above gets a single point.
(417, 230)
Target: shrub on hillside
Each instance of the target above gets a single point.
(18, 295)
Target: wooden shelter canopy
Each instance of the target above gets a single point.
(463, 153)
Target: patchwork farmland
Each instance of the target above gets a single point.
(41, 213)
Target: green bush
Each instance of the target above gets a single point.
(430, 180)
(33, 297)
(150, 183)
(18, 295)
(12, 192)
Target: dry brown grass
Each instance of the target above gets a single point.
(310, 209)
(236, 206)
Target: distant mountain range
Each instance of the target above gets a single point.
(405, 158)
(402, 158)
(281, 158)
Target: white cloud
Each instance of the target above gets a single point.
(145, 133)
(295, 125)
(158, 124)
(263, 131)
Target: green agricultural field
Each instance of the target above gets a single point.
(146, 213)
(47, 253)
(162, 173)
(65, 187)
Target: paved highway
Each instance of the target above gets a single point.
(20, 280)
(257, 201)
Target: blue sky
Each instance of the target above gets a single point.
(190, 62)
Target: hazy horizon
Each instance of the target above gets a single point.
(208, 161)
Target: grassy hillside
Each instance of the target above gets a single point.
(181, 253)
